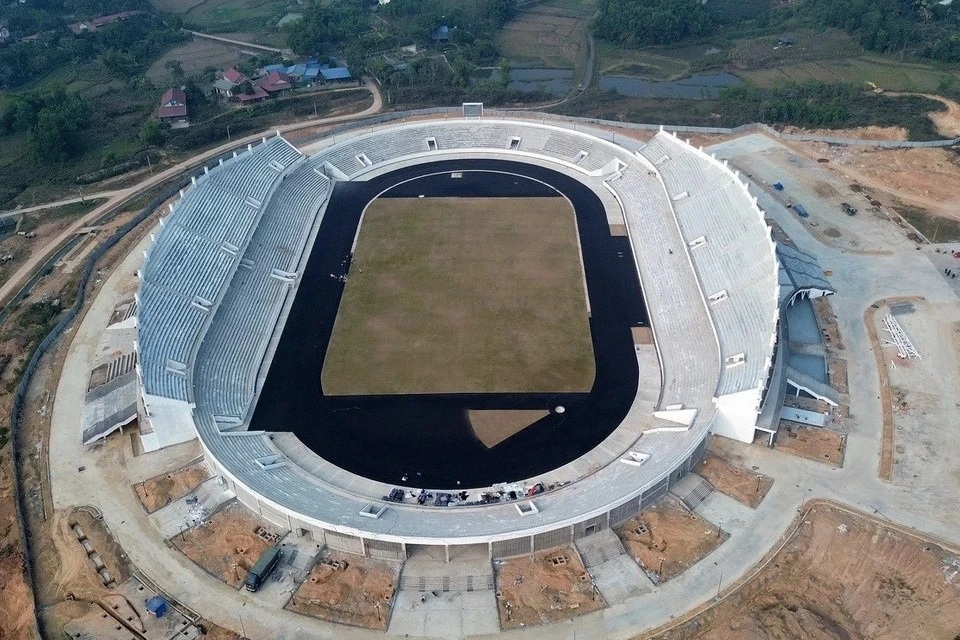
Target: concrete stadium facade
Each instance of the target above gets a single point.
(704, 256)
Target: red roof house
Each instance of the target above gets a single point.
(235, 76)
(173, 105)
(275, 82)
(246, 98)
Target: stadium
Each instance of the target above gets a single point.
(658, 296)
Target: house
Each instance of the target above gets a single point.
(92, 25)
(256, 95)
(275, 83)
(229, 83)
(336, 74)
(173, 106)
(784, 41)
(441, 34)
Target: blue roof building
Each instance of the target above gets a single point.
(336, 73)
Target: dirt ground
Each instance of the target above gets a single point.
(926, 178)
(859, 133)
(547, 586)
(227, 545)
(813, 443)
(161, 490)
(195, 56)
(740, 484)
(348, 589)
(543, 36)
(493, 426)
(670, 537)
(841, 576)
(920, 396)
(16, 603)
(827, 321)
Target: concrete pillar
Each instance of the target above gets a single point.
(446, 552)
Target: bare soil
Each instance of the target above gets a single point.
(845, 576)
(668, 539)
(925, 178)
(227, 545)
(740, 484)
(827, 321)
(872, 132)
(547, 586)
(540, 37)
(813, 443)
(16, 597)
(159, 491)
(195, 56)
(837, 374)
(348, 589)
(493, 426)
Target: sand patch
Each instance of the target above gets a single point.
(493, 426)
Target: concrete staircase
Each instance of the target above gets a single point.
(599, 548)
(692, 490)
(447, 583)
(814, 387)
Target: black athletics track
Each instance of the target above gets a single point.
(426, 440)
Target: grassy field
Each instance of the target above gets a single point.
(934, 228)
(465, 295)
(828, 55)
(224, 16)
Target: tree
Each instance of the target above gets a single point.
(154, 133)
(175, 69)
(504, 69)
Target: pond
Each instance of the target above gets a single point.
(555, 81)
(696, 87)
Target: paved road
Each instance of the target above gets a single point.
(859, 279)
(119, 196)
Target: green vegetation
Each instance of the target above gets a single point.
(236, 16)
(632, 23)
(808, 104)
(53, 120)
(456, 295)
(125, 47)
(934, 228)
(236, 123)
(928, 29)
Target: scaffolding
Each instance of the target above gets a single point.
(898, 337)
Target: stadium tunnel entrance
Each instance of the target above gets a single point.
(426, 440)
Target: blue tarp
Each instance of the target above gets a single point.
(157, 606)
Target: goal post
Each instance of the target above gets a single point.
(472, 109)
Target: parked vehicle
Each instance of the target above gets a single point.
(267, 562)
(848, 209)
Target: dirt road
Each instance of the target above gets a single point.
(118, 197)
(947, 122)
